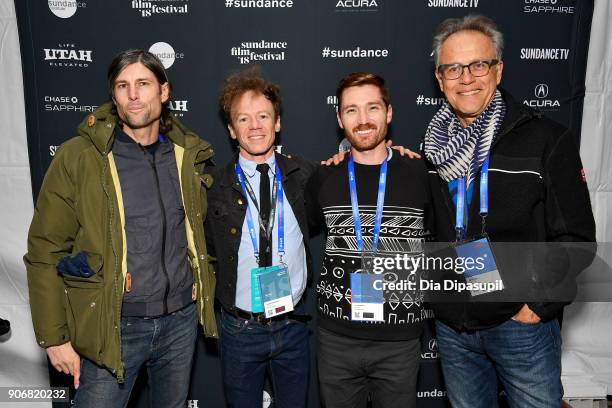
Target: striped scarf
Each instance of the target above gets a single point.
(456, 151)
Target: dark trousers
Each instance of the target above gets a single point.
(250, 350)
(525, 357)
(352, 369)
(164, 344)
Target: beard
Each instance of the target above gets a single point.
(361, 143)
(137, 122)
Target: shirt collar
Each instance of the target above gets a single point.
(125, 138)
(250, 167)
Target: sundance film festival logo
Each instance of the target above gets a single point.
(65, 8)
(178, 108)
(542, 102)
(248, 52)
(453, 3)
(356, 5)
(165, 53)
(547, 6)
(66, 55)
(544, 53)
(147, 8)
(65, 104)
(259, 3)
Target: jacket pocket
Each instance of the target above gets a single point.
(84, 305)
(82, 266)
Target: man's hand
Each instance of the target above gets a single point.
(404, 151)
(335, 159)
(526, 315)
(65, 360)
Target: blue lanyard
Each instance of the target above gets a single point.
(484, 199)
(278, 181)
(380, 202)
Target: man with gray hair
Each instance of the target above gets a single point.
(117, 265)
(491, 157)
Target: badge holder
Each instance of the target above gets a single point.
(482, 270)
(367, 293)
(275, 290)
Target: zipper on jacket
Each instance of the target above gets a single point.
(164, 226)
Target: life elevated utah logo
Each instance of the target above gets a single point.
(148, 8)
(542, 102)
(356, 5)
(67, 55)
(178, 107)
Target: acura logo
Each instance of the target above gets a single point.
(541, 91)
(433, 345)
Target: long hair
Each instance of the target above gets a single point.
(153, 64)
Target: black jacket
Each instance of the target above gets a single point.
(537, 193)
(226, 211)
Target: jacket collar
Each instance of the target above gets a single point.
(99, 128)
(516, 114)
(286, 166)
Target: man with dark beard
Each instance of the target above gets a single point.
(117, 265)
(372, 206)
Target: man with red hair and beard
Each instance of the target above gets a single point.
(372, 206)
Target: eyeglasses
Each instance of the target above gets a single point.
(476, 68)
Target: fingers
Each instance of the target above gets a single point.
(404, 151)
(61, 366)
(76, 371)
(412, 155)
(339, 157)
(526, 315)
(335, 159)
(65, 360)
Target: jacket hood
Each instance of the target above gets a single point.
(99, 127)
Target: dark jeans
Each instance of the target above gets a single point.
(249, 350)
(165, 345)
(525, 357)
(350, 369)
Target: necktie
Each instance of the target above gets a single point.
(265, 246)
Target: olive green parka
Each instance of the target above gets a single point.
(80, 208)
